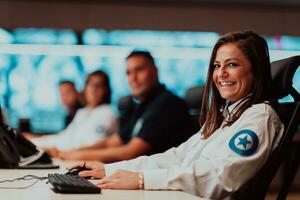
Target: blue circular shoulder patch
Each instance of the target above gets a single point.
(244, 142)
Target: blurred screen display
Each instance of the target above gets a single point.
(34, 61)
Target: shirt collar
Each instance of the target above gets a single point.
(230, 109)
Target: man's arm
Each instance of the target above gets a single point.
(111, 141)
(29, 135)
(136, 147)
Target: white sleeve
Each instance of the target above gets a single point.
(171, 157)
(61, 139)
(84, 130)
(95, 127)
(50, 140)
(219, 171)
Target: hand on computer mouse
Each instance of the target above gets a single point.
(76, 171)
(94, 169)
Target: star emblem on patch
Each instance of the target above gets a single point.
(244, 142)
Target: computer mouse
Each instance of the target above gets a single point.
(76, 171)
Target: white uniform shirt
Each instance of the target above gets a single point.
(217, 166)
(88, 126)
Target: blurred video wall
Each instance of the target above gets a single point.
(34, 61)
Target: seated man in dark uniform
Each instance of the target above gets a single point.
(153, 121)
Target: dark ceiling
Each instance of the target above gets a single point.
(199, 2)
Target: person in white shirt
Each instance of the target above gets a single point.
(93, 122)
(240, 129)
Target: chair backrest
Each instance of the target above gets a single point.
(124, 103)
(282, 77)
(193, 98)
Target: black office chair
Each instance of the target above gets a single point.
(193, 98)
(124, 103)
(125, 108)
(257, 187)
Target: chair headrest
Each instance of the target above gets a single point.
(193, 96)
(124, 103)
(282, 72)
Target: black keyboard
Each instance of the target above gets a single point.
(65, 183)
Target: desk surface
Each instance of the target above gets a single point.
(41, 190)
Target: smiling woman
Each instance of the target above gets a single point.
(232, 73)
(240, 128)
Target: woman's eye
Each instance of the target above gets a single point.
(232, 64)
(216, 66)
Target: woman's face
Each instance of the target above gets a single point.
(94, 91)
(232, 73)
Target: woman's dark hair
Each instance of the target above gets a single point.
(255, 48)
(106, 84)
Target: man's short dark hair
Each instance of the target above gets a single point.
(66, 82)
(145, 54)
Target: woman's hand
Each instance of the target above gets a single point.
(120, 180)
(94, 169)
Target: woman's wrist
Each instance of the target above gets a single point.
(104, 170)
(141, 181)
